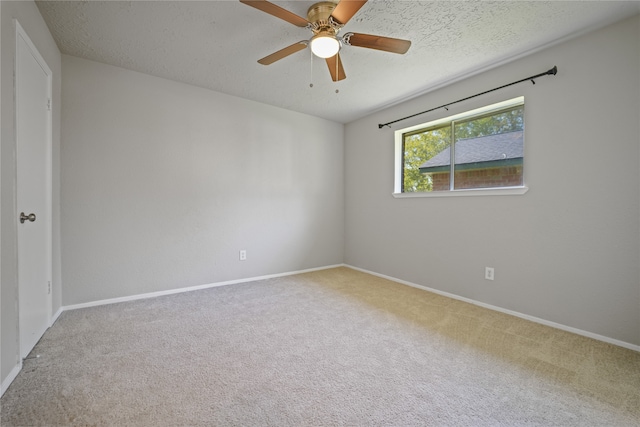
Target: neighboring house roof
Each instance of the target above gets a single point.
(492, 151)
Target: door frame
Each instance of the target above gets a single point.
(20, 33)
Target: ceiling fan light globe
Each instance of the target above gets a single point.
(325, 46)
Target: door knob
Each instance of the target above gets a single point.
(31, 217)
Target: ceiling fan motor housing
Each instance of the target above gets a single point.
(320, 12)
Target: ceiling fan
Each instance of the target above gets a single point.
(325, 19)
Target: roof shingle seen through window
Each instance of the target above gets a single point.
(489, 148)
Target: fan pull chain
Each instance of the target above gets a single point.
(337, 75)
(311, 69)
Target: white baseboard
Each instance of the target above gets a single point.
(187, 289)
(55, 316)
(12, 376)
(504, 310)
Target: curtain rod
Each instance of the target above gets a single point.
(552, 71)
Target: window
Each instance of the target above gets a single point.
(481, 149)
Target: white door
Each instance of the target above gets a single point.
(33, 155)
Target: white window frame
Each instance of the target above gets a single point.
(494, 191)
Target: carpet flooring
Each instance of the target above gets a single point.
(334, 347)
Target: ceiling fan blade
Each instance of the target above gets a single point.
(345, 10)
(386, 44)
(277, 11)
(282, 53)
(335, 68)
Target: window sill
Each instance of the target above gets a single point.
(512, 191)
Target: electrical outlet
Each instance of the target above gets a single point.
(488, 273)
(243, 255)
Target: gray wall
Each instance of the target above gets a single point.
(568, 250)
(163, 183)
(29, 17)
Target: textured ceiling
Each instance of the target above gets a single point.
(215, 44)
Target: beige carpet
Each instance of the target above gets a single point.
(333, 347)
